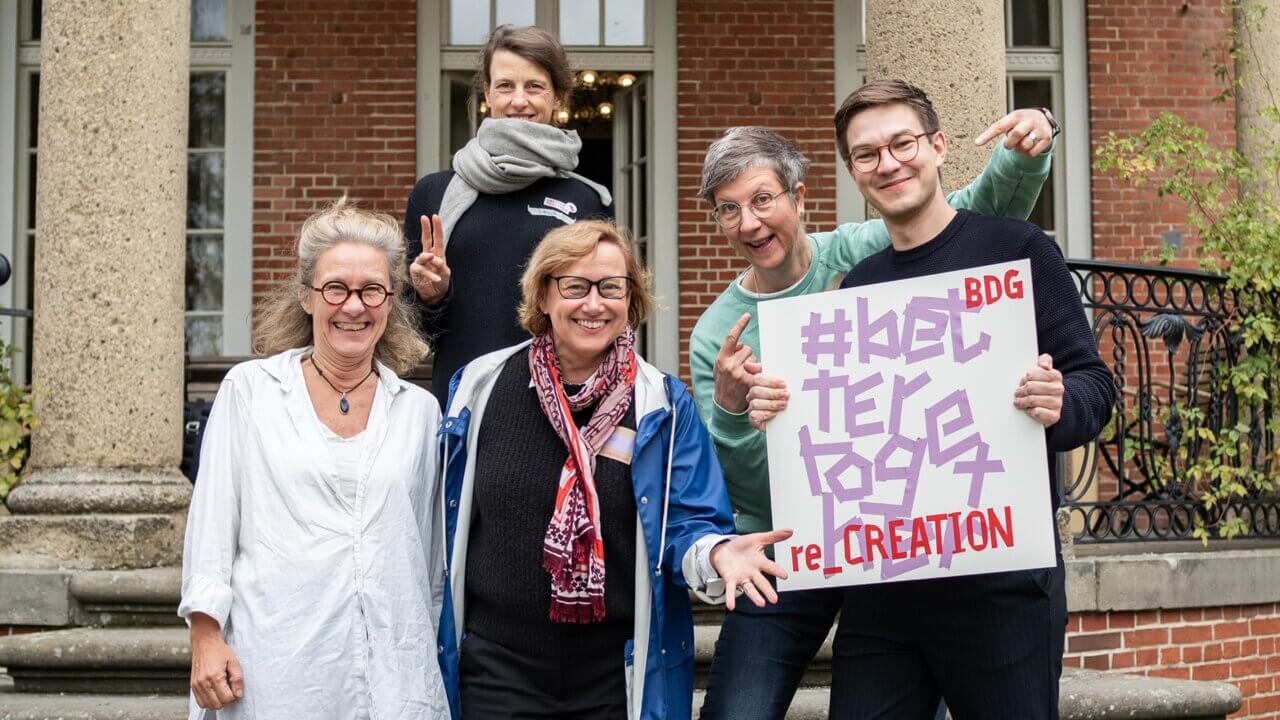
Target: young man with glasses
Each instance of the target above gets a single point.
(754, 180)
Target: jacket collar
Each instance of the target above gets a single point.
(281, 368)
(651, 391)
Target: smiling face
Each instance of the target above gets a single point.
(349, 330)
(585, 328)
(897, 190)
(519, 88)
(769, 244)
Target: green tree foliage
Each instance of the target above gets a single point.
(16, 423)
(1233, 204)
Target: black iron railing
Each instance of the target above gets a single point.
(1165, 335)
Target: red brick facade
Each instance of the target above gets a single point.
(1147, 57)
(334, 112)
(1239, 645)
(748, 63)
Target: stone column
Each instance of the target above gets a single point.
(954, 49)
(1259, 68)
(104, 490)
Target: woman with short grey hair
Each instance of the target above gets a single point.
(312, 568)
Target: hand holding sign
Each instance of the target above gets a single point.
(767, 397)
(732, 379)
(429, 272)
(1039, 393)
(743, 564)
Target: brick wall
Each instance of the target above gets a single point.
(748, 63)
(334, 112)
(1239, 645)
(1146, 57)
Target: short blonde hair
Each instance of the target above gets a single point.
(573, 242)
(284, 324)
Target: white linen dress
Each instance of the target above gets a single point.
(328, 604)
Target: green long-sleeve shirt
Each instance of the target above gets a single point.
(1008, 185)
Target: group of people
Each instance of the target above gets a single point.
(354, 552)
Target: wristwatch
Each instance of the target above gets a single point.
(1048, 115)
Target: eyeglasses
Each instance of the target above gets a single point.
(903, 148)
(336, 293)
(728, 215)
(572, 287)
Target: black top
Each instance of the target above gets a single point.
(487, 253)
(1062, 331)
(518, 465)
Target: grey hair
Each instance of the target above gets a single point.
(748, 146)
(284, 324)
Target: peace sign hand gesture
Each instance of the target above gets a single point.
(429, 272)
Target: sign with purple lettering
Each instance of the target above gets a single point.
(901, 455)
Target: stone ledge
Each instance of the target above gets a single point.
(82, 491)
(34, 597)
(97, 648)
(1189, 579)
(152, 586)
(99, 598)
(91, 542)
(1093, 695)
(92, 707)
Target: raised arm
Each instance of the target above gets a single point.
(1011, 181)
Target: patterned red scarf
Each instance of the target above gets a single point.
(573, 550)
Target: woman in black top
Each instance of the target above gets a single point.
(470, 230)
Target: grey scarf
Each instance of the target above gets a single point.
(509, 155)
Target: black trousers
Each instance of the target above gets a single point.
(497, 682)
(989, 645)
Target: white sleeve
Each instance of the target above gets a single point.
(702, 578)
(213, 521)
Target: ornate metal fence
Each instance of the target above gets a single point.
(1164, 334)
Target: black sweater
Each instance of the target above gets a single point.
(518, 465)
(1062, 331)
(487, 253)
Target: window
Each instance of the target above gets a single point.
(1033, 61)
(578, 23)
(219, 177)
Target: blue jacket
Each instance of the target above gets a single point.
(680, 500)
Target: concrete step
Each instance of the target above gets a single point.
(114, 661)
(68, 598)
(810, 703)
(14, 706)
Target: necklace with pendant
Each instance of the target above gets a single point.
(344, 407)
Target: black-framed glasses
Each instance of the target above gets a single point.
(728, 215)
(572, 287)
(336, 293)
(903, 148)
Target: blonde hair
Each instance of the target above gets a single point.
(573, 242)
(284, 324)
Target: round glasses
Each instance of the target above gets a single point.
(903, 148)
(336, 293)
(572, 287)
(728, 215)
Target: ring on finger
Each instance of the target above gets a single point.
(1032, 136)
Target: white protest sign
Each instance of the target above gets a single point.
(900, 455)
